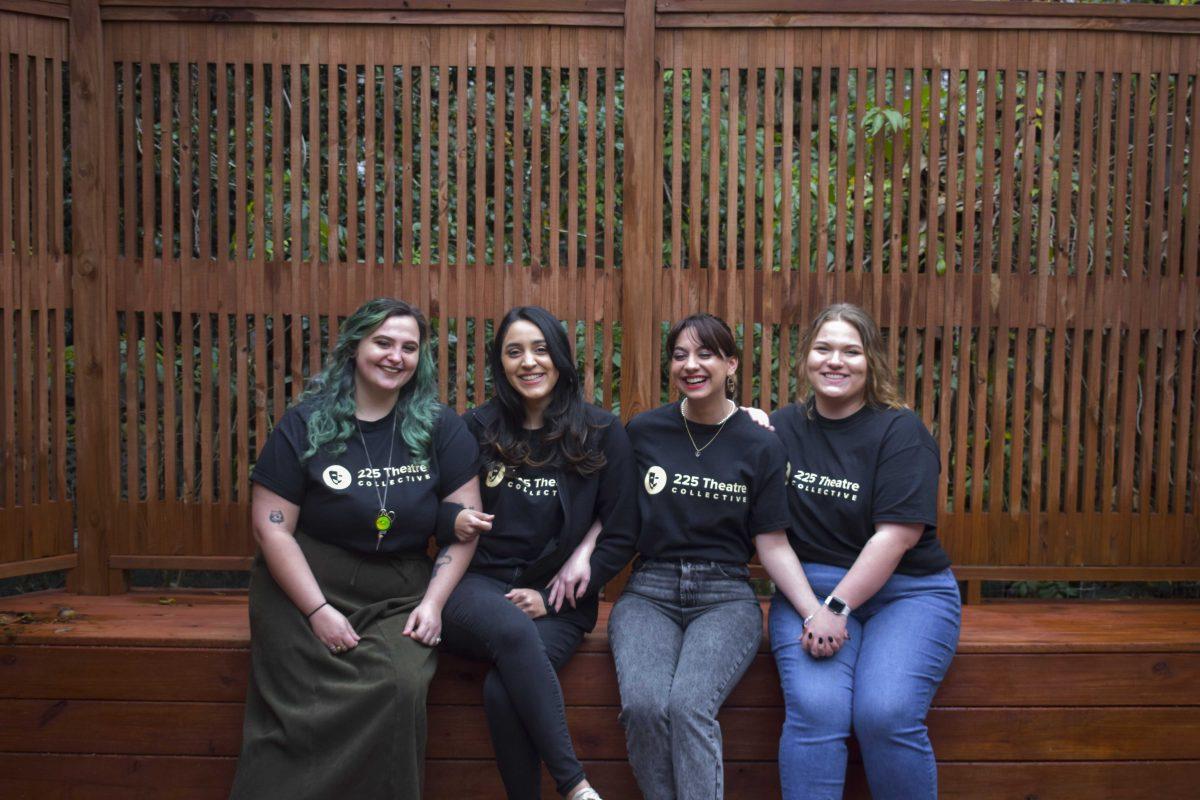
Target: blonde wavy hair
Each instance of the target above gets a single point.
(881, 388)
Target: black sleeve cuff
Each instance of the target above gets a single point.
(545, 593)
(444, 528)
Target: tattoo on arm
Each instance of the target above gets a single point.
(443, 558)
(275, 516)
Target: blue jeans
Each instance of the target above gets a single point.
(881, 682)
(682, 635)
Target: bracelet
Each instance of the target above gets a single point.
(808, 619)
(309, 615)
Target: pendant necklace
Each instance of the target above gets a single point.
(691, 439)
(384, 519)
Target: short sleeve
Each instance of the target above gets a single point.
(906, 475)
(769, 509)
(457, 452)
(278, 467)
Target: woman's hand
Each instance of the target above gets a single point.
(825, 634)
(333, 629)
(470, 523)
(528, 600)
(759, 416)
(425, 624)
(571, 581)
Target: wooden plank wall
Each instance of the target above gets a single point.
(226, 296)
(35, 298)
(1041, 304)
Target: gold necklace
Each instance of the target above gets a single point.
(721, 427)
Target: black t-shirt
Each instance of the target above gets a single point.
(529, 512)
(339, 496)
(848, 475)
(707, 508)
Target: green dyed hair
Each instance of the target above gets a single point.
(331, 392)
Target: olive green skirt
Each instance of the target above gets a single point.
(320, 725)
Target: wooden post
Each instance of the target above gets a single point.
(639, 375)
(96, 489)
(639, 378)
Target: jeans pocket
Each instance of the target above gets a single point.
(733, 572)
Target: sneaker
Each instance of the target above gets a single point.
(586, 794)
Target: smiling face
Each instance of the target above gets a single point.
(837, 369)
(699, 371)
(528, 366)
(386, 358)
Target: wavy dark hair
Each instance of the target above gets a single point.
(566, 427)
(712, 333)
(331, 391)
(880, 389)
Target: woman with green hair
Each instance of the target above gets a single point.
(345, 606)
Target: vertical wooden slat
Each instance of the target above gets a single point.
(425, 189)
(638, 384)
(8, 283)
(787, 218)
(479, 268)
(353, 142)
(207, 437)
(749, 237)
(96, 489)
(171, 278)
(190, 265)
(610, 219)
(370, 218)
(460, 258)
(770, 310)
(444, 300)
(589, 312)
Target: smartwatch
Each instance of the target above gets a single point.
(837, 605)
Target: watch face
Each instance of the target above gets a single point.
(835, 605)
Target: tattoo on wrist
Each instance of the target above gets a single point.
(442, 560)
(275, 516)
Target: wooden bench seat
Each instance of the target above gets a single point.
(140, 695)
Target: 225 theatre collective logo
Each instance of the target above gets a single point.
(701, 486)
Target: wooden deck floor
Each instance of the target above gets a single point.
(141, 695)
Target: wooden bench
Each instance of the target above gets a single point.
(140, 695)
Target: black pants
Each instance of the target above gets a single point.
(521, 694)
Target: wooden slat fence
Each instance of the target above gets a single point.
(36, 383)
(267, 168)
(1039, 300)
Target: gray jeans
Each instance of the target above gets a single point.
(682, 635)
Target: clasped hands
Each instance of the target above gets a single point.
(824, 633)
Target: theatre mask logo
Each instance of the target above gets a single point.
(336, 477)
(656, 480)
(494, 476)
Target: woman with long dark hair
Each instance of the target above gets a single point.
(345, 606)
(866, 615)
(552, 465)
(688, 623)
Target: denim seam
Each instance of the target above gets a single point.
(747, 652)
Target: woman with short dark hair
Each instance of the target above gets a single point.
(688, 623)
